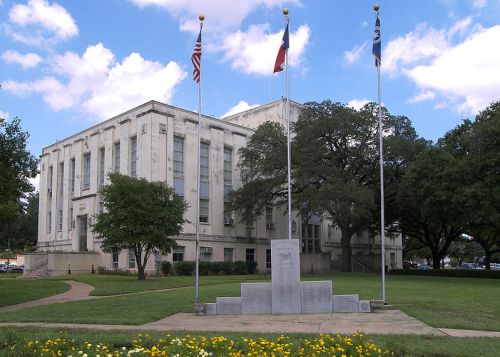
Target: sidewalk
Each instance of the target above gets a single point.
(379, 322)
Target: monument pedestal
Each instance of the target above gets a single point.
(286, 294)
(285, 275)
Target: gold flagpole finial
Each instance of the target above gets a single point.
(201, 17)
(285, 11)
(376, 7)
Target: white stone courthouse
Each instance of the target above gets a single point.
(158, 142)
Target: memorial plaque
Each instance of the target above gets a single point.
(256, 298)
(346, 303)
(364, 306)
(228, 305)
(316, 297)
(285, 274)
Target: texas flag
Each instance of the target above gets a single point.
(280, 59)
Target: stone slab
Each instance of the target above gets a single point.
(364, 306)
(316, 297)
(346, 303)
(285, 273)
(228, 305)
(256, 298)
(211, 309)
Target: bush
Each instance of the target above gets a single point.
(251, 267)
(240, 268)
(452, 273)
(106, 271)
(184, 268)
(166, 267)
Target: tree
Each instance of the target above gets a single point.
(334, 167)
(430, 202)
(17, 165)
(140, 216)
(22, 232)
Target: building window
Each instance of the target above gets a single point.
(228, 184)
(61, 180)
(178, 157)
(310, 238)
(250, 255)
(179, 166)
(73, 170)
(204, 210)
(268, 258)
(49, 181)
(114, 260)
(86, 171)
(204, 170)
(117, 157)
(83, 233)
(101, 204)
(131, 259)
(228, 254)
(49, 222)
(393, 260)
(178, 254)
(133, 156)
(61, 197)
(101, 166)
(205, 254)
(71, 224)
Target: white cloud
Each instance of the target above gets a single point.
(4, 115)
(238, 108)
(421, 97)
(358, 103)
(220, 15)
(479, 4)
(355, 53)
(28, 60)
(364, 24)
(99, 84)
(423, 43)
(35, 181)
(467, 73)
(40, 22)
(255, 50)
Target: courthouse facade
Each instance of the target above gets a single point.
(159, 142)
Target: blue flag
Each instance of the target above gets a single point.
(377, 43)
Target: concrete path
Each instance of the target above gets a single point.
(379, 322)
(78, 291)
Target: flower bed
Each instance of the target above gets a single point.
(145, 345)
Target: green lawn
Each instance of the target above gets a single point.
(14, 291)
(106, 285)
(440, 302)
(401, 345)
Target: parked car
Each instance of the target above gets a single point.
(424, 267)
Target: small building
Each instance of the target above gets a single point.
(158, 142)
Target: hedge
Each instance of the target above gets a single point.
(216, 268)
(452, 273)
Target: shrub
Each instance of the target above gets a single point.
(251, 267)
(452, 273)
(106, 271)
(166, 267)
(184, 268)
(240, 268)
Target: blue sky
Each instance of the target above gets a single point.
(66, 64)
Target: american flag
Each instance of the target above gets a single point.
(196, 59)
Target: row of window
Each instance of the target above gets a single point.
(205, 256)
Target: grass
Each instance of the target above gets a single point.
(106, 285)
(401, 345)
(14, 291)
(437, 301)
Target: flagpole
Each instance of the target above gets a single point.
(376, 7)
(197, 268)
(287, 120)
